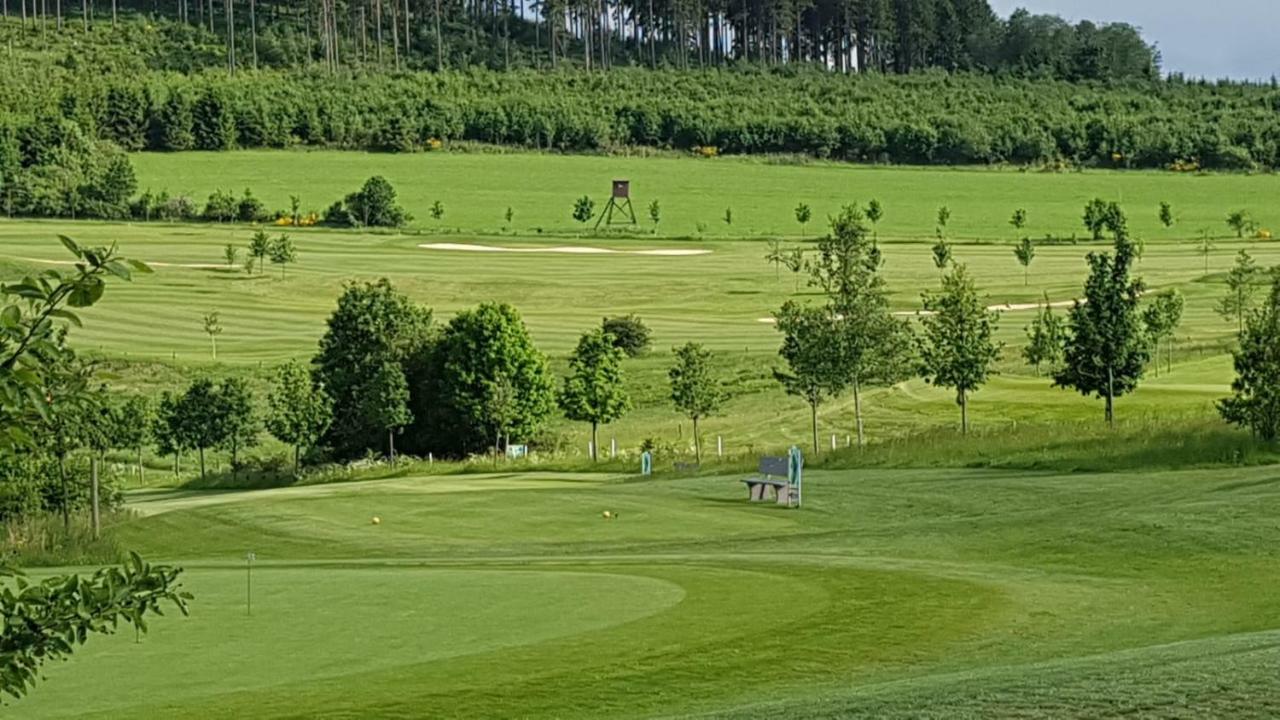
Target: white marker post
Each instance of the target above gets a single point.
(719, 446)
(248, 582)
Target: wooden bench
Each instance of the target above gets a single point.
(772, 472)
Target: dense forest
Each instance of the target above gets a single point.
(890, 36)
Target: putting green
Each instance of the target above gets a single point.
(311, 624)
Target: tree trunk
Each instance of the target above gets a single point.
(857, 411)
(97, 510)
(142, 472)
(595, 443)
(202, 463)
(963, 397)
(253, 31)
(439, 41)
(62, 483)
(377, 24)
(391, 444)
(297, 458)
(230, 11)
(1110, 411)
(813, 418)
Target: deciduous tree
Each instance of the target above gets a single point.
(958, 348)
(874, 346)
(299, 410)
(1242, 287)
(1025, 252)
(283, 253)
(1255, 399)
(594, 391)
(1045, 338)
(811, 349)
(373, 324)
(386, 402)
(1106, 348)
(695, 389)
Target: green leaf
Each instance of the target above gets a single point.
(86, 293)
(118, 269)
(140, 266)
(68, 316)
(71, 245)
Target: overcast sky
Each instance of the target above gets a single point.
(1223, 38)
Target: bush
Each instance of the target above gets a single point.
(630, 334)
(374, 206)
(337, 215)
(221, 207)
(250, 208)
(178, 208)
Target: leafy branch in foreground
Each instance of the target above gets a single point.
(46, 620)
(29, 333)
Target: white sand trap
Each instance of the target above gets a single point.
(562, 250)
(1006, 307)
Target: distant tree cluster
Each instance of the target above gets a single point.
(930, 118)
(60, 170)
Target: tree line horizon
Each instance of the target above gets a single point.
(885, 36)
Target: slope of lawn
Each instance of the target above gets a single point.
(899, 593)
(477, 189)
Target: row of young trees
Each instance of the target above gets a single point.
(889, 36)
(1103, 348)
(931, 118)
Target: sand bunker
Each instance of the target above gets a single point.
(1006, 307)
(563, 250)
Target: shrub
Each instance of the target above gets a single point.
(337, 215)
(221, 207)
(629, 333)
(374, 205)
(250, 208)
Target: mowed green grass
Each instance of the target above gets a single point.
(940, 593)
(476, 190)
(152, 330)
